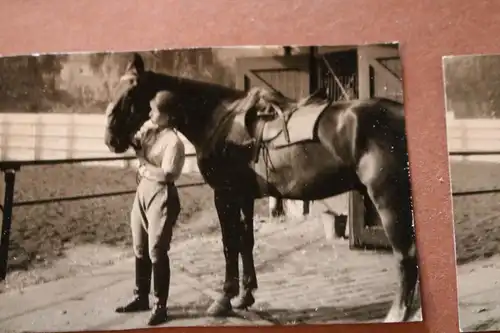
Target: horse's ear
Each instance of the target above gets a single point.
(135, 64)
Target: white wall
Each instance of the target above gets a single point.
(473, 135)
(60, 136)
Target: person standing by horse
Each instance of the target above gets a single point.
(339, 149)
(155, 209)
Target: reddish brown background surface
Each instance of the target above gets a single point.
(426, 29)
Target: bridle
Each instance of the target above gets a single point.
(131, 116)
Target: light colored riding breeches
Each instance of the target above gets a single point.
(154, 213)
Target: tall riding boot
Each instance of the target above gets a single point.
(143, 268)
(161, 283)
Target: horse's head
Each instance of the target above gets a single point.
(129, 108)
(190, 105)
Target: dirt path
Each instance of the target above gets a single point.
(338, 286)
(85, 258)
(479, 295)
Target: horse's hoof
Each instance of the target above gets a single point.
(244, 302)
(220, 308)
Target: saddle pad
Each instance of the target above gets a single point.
(300, 125)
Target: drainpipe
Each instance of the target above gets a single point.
(313, 70)
(313, 86)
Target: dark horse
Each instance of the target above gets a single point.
(357, 145)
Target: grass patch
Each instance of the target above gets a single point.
(476, 217)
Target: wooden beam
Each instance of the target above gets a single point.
(313, 70)
(378, 66)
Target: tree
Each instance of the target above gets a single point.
(472, 85)
(28, 82)
(85, 82)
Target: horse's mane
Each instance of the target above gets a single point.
(240, 101)
(171, 82)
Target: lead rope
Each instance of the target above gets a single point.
(266, 157)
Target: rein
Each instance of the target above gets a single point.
(217, 131)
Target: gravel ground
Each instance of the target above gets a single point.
(92, 231)
(476, 217)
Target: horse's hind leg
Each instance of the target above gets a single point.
(395, 212)
(389, 189)
(247, 242)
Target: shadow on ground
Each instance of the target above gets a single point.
(325, 314)
(319, 315)
(374, 312)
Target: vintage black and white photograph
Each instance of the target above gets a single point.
(473, 134)
(256, 185)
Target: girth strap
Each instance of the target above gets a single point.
(258, 140)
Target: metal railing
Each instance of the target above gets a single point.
(10, 168)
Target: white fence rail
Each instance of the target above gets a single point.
(61, 136)
(66, 136)
(473, 135)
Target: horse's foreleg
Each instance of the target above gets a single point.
(228, 211)
(276, 207)
(393, 206)
(247, 241)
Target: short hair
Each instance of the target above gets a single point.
(161, 99)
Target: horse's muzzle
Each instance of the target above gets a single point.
(114, 144)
